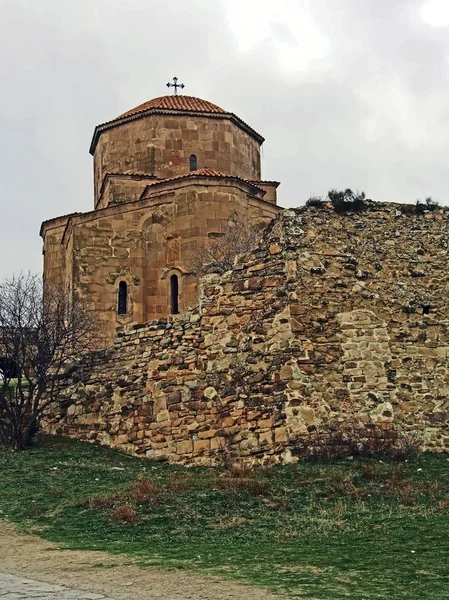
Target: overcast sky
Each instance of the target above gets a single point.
(347, 93)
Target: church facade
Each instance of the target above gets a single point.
(168, 174)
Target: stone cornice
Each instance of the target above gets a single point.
(158, 111)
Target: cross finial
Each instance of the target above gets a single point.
(175, 85)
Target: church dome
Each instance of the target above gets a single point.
(181, 103)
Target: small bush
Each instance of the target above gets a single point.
(315, 202)
(121, 506)
(240, 476)
(253, 486)
(106, 502)
(369, 441)
(348, 201)
(124, 514)
(143, 490)
(428, 205)
(419, 208)
(239, 470)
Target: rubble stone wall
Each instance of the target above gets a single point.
(336, 319)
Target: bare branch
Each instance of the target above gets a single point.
(217, 254)
(40, 335)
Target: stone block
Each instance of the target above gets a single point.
(201, 446)
(210, 393)
(266, 438)
(184, 447)
(281, 434)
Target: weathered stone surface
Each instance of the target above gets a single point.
(369, 351)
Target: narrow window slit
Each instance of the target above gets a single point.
(174, 295)
(122, 298)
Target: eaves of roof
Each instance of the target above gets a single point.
(160, 111)
(203, 174)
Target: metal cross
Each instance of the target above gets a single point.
(176, 85)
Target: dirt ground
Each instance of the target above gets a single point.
(30, 556)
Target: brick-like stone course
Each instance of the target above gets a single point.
(336, 318)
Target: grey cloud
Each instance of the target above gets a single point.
(371, 115)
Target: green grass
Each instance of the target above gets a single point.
(359, 529)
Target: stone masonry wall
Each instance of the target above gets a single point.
(337, 318)
(146, 242)
(161, 145)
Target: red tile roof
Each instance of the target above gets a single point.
(205, 173)
(185, 103)
(168, 104)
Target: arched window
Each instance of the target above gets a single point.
(193, 163)
(122, 303)
(174, 295)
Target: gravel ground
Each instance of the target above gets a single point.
(82, 575)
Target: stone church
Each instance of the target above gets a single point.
(167, 175)
(338, 320)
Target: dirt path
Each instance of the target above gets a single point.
(30, 556)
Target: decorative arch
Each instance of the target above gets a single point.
(155, 219)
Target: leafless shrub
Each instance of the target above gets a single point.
(253, 486)
(241, 476)
(330, 443)
(124, 514)
(218, 252)
(106, 502)
(40, 335)
(143, 490)
(182, 482)
(239, 470)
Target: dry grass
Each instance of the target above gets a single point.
(182, 482)
(239, 476)
(121, 506)
(124, 514)
(143, 490)
(444, 504)
(238, 484)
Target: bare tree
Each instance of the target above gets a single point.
(218, 252)
(38, 341)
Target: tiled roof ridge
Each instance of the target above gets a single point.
(204, 172)
(179, 102)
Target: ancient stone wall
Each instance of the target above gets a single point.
(336, 319)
